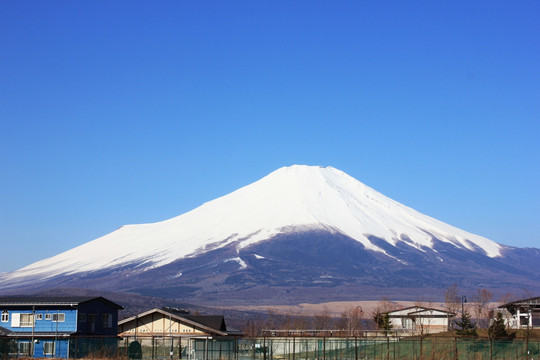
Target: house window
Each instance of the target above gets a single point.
(60, 317)
(39, 316)
(24, 347)
(82, 317)
(5, 316)
(47, 316)
(48, 348)
(27, 320)
(106, 320)
(92, 323)
(408, 323)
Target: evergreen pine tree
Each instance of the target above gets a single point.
(466, 327)
(497, 329)
(383, 322)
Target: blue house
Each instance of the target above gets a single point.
(59, 327)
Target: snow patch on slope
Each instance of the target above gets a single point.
(240, 262)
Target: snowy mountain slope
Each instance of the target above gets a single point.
(289, 200)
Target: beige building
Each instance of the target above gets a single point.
(175, 333)
(172, 322)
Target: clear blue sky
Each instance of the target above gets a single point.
(120, 112)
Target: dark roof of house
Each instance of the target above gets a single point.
(4, 331)
(212, 321)
(535, 301)
(52, 300)
(176, 311)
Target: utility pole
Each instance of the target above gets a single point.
(33, 328)
(56, 334)
(528, 321)
(170, 334)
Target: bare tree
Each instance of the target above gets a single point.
(527, 294)
(323, 320)
(253, 327)
(351, 320)
(481, 300)
(300, 322)
(506, 298)
(274, 320)
(386, 305)
(289, 321)
(422, 302)
(422, 324)
(452, 302)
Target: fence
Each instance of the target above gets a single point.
(297, 348)
(439, 348)
(332, 348)
(71, 348)
(178, 347)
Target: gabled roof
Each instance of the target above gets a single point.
(418, 311)
(533, 302)
(213, 324)
(52, 301)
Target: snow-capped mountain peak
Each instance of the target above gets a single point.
(290, 199)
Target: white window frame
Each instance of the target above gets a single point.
(26, 320)
(58, 317)
(5, 316)
(48, 348)
(23, 347)
(39, 316)
(47, 316)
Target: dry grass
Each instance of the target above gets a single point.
(334, 308)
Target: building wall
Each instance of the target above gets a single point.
(44, 320)
(96, 317)
(157, 324)
(425, 324)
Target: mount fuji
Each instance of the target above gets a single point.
(300, 233)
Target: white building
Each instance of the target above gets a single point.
(521, 314)
(420, 320)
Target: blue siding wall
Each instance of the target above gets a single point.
(59, 346)
(68, 325)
